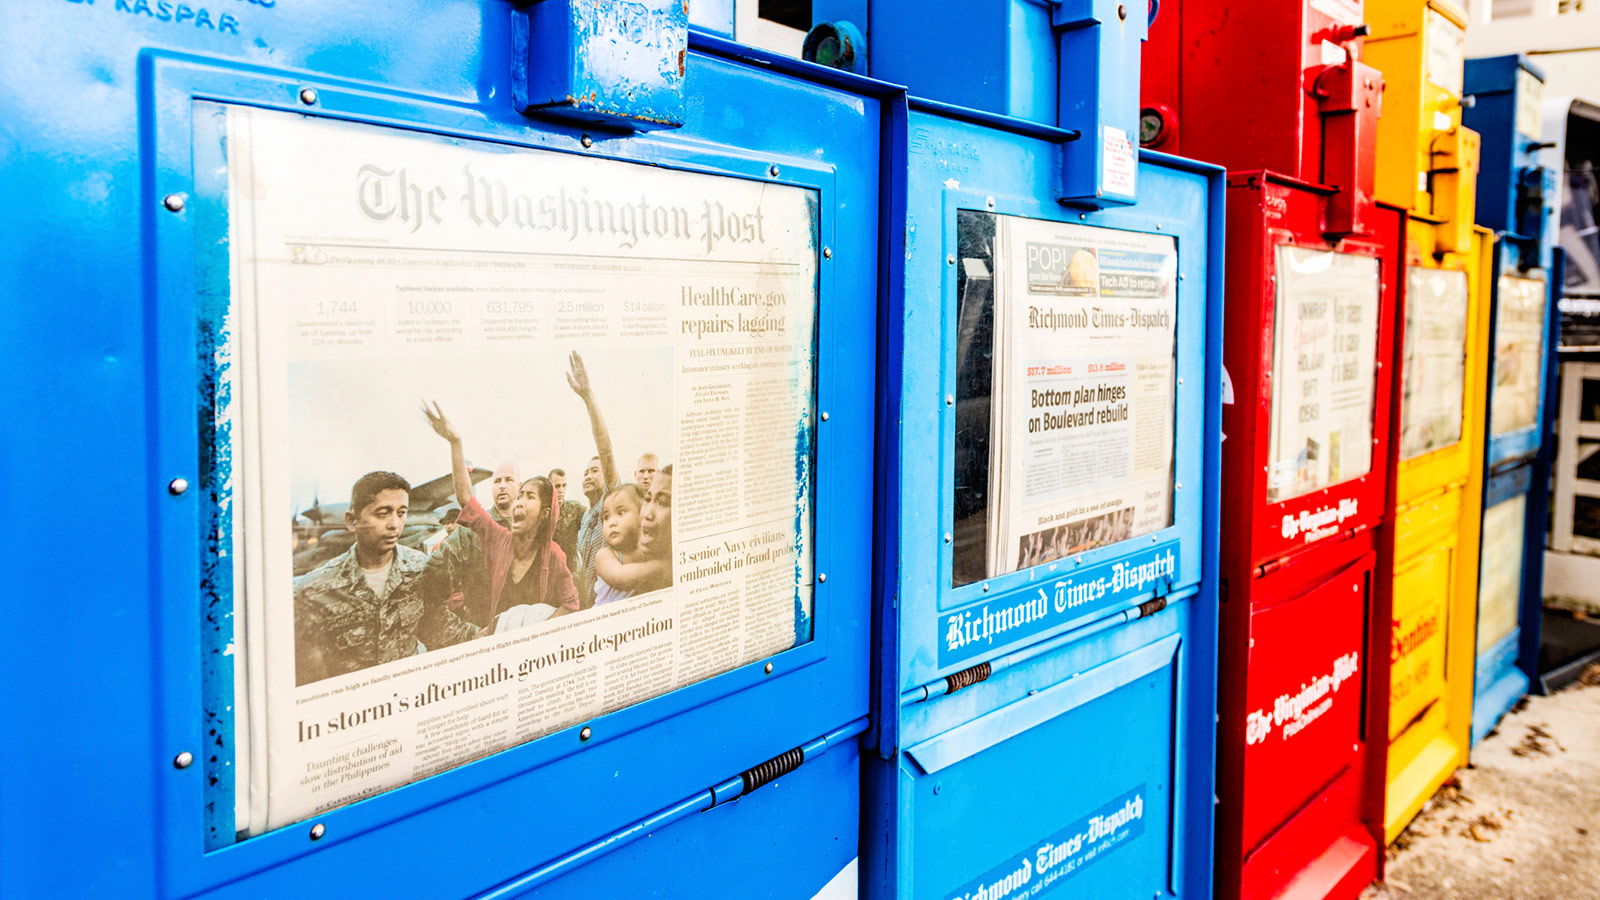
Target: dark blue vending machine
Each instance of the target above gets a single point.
(1046, 620)
(546, 331)
(1514, 196)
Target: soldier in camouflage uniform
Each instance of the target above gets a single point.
(367, 606)
(456, 570)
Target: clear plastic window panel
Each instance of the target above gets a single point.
(1434, 375)
(1324, 365)
(1065, 363)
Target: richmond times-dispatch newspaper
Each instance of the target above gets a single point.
(412, 312)
(1085, 364)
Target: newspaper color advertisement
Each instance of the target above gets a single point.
(540, 425)
(1324, 363)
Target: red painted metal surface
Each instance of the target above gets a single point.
(1277, 93)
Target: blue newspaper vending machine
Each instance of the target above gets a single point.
(1514, 196)
(1046, 622)
(469, 298)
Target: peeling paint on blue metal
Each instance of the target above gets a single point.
(805, 446)
(214, 367)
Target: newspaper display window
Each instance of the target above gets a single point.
(1066, 355)
(540, 426)
(1518, 354)
(1433, 390)
(1324, 364)
(1500, 578)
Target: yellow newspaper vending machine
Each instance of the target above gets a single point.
(1428, 163)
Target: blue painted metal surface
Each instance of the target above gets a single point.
(1514, 196)
(1071, 64)
(104, 288)
(1075, 753)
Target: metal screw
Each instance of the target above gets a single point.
(585, 734)
(1082, 216)
(1180, 379)
(178, 486)
(1153, 538)
(950, 260)
(986, 588)
(948, 537)
(173, 202)
(1177, 486)
(1158, 226)
(1180, 276)
(773, 170)
(308, 96)
(822, 577)
(183, 760)
(824, 415)
(586, 141)
(949, 399)
(318, 830)
(989, 201)
(827, 253)
(1079, 561)
(1122, 12)
(767, 668)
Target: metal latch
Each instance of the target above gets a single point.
(1098, 43)
(1452, 181)
(615, 64)
(1350, 98)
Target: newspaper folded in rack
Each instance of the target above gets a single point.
(541, 424)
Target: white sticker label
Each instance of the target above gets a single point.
(1441, 120)
(1332, 54)
(1119, 168)
(1530, 102)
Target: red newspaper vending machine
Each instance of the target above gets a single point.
(1281, 98)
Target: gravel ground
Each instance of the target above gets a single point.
(1522, 822)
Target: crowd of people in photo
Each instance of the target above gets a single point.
(531, 556)
(1062, 541)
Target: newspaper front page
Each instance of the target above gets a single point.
(1082, 423)
(1518, 354)
(1324, 360)
(542, 424)
(1434, 377)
